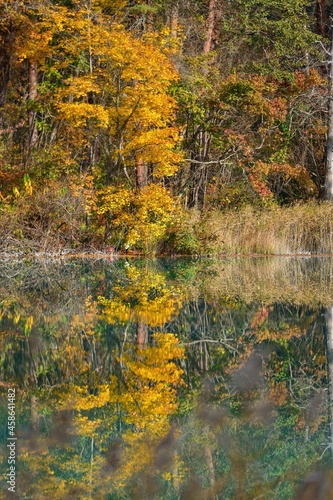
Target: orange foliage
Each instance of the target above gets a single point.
(262, 173)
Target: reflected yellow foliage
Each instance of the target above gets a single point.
(86, 321)
(148, 397)
(12, 310)
(284, 334)
(143, 394)
(81, 401)
(147, 297)
(108, 387)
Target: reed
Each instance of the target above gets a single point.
(301, 229)
(302, 281)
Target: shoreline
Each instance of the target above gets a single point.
(61, 255)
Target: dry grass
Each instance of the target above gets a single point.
(301, 229)
(296, 280)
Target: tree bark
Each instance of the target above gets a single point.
(212, 6)
(174, 20)
(141, 173)
(7, 36)
(321, 17)
(33, 80)
(142, 334)
(34, 416)
(209, 458)
(199, 173)
(329, 143)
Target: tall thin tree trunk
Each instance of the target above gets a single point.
(321, 17)
(210, 26)
(329, 144)
(7, 37)
(142, 334)
(199, 173)
(34, 416)
(174, 20)
(33, 80)
(209, 458)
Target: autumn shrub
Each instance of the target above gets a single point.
(232, 193)
(182, 236)
(46, 218)
(181, 240)
(133, 220)
(261, 186)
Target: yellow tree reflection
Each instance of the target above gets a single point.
(143, 394)
(146, 297)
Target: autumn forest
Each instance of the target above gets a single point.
(166, 126)
(166, 217)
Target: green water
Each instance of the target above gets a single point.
(164, 379)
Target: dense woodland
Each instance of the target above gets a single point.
(131, 126)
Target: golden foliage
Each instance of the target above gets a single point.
(146, 297)
(117, 91)
(150, 378)
(141, 218)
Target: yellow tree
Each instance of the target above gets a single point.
(26, 29)
(114, 113)
(118, 93)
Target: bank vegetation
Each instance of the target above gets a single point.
(167, 127)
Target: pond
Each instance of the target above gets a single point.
(166, 379)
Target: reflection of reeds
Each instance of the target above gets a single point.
(278, 279)
(300, 229)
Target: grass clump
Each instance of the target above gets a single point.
(299, 229)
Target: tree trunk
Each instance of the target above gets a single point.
(329, 144)
(329, 343)
(141, 173)
(174, 20)
(33, 79)
(209, 458)
(142, 334)
(5, 62)
(210, 26)
(199, 173)
(34, 416)
(321, 17)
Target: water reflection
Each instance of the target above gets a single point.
(167, 379)
(329, 340)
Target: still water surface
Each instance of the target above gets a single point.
(166, 379)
